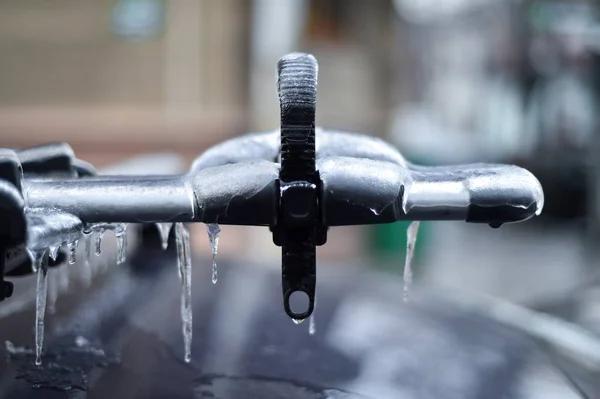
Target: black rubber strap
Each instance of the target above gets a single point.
(297, 231)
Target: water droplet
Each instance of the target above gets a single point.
(40, 304)
(121, 235)
(81, 341)
(411, 239)
(297, 321)
(312, 328)
(214, 231)
(184, 263)
(164, 229)
(72, 247)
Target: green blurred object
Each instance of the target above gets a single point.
(388, 245)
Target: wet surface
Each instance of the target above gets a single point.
(368, 343)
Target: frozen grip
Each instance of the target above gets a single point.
(297, 89)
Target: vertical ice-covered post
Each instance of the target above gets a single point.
(184, 263)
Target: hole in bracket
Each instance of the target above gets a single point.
(299, 302)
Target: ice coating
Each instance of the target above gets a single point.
(362, 183)
(479, 193)
(411, 240)
(116, 199)
(184, 263)
(331, 143)
(214, 231)
(312, 328)
(246, 148)
(50, 228)
(214, 188)
(431, 193)
(164, 229)
(461, 186)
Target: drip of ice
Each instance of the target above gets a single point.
(312, 328)
(164, 229)
(214, 231)
(99, 233)
(297, 321)
(72, 247)
(411, 239)
(36, 257)
(184, 262)
(40, 304)
(121, 235)
(53, 251)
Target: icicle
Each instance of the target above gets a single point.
(164, 229)
(40, 304)
(312, 328)
(36, 257)
(297, 321)
(185, 273)
(86, 267)
(53, 252)
(99, 232)
(411, 239)
(214, 231)
(121, 235)
(72, 247)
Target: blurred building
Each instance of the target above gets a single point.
(119, 77)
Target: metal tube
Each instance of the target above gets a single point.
(118, 199)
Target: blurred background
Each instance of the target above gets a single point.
(452, 81)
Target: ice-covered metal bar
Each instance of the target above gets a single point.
(115, 199)
(241, 193)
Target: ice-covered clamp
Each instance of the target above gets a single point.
(298, 180)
